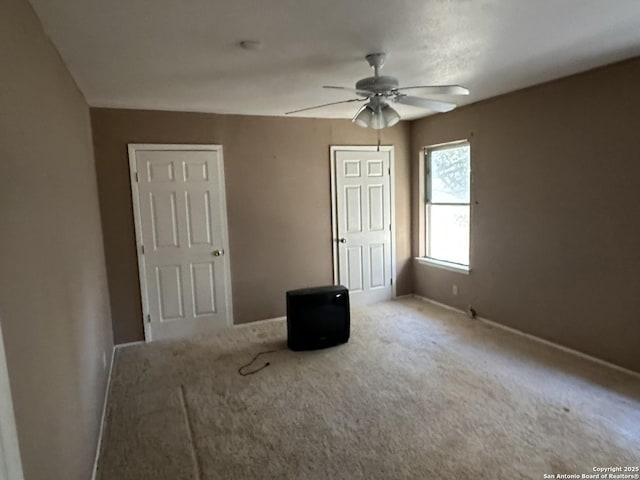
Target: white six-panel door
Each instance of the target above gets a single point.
(181, 229)
(363, 223)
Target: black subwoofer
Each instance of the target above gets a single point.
(317, 317)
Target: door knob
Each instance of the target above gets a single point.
(343, 240)
(217, 253)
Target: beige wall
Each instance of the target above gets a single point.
(555, 231)
(54, 303)
(278, 200)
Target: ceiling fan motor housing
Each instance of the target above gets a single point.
(377, 85)
(379, 90)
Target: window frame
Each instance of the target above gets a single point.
(426, 158)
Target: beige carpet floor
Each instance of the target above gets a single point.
(419, 392)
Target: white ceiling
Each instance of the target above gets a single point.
(183, 55)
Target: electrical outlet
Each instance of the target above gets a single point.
(454, 289)
(104, 360)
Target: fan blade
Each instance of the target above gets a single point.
(326, 105)
(437, 90)
(348, 89)
(425, 103)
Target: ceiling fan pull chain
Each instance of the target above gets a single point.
(378, 139)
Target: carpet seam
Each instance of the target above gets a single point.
(188, 423)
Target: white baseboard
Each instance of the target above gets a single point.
(10, 460)
(249, 324)
(400, 297)
(537, 339)
(130, 344)
(443, 305)
(107, 391)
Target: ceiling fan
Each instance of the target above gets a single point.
(379, 90)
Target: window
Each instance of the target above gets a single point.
(448, 182)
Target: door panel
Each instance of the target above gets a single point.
(351, 168)
(377, 262)
(169, 279)
(363, 223)
(199, 217)
(203, 281)
(375, 168)
(182, 226)
(195, 171)
(164, 219)
(353, 205)
(160, 171)
(376, 208)
(354, 268)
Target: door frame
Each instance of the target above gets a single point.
(137, 217)
(334, 207)
(10, 461)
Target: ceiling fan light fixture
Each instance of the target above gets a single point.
(391, 117)
(376, 117)
(364, 116)
(377, 120)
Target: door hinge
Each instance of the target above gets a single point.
(142, 249)
(389, 226)
(391, 281)
(389, 171)
(137, 178)
(148, 318)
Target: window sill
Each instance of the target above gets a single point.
(452, 267)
